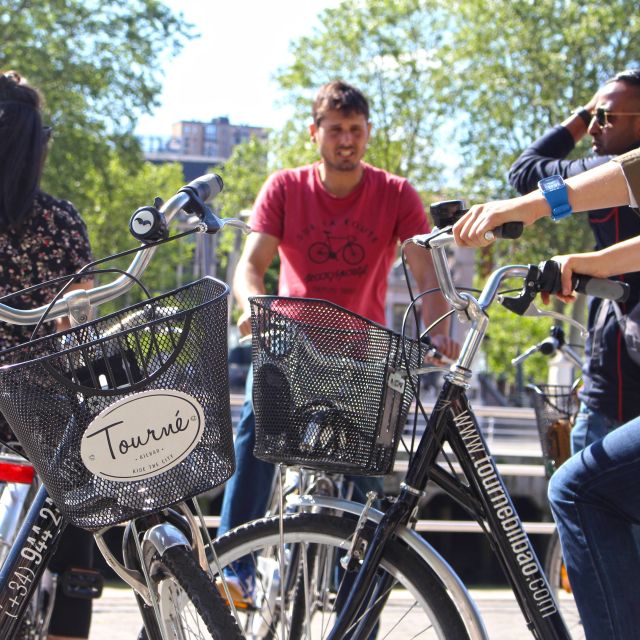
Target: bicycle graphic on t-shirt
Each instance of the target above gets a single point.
(334, 247)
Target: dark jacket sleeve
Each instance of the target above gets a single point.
(546, 157)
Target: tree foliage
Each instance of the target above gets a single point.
(98, 65)
(243, 175)
(520, 67)
(115, 193)
(386, 48)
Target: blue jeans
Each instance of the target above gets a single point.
(595, 500)
(247, 493)
(590, 426)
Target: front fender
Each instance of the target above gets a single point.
(163, 536)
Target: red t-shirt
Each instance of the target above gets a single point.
(338, 249)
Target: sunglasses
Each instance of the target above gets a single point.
(603, 116)
(46, 134)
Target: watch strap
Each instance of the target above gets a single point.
(561, 211)
(584, 115)
(557, 198)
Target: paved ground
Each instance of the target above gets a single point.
(116, 616)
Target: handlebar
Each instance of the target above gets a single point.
(544, 277)
(549, 347)
(597, 287)
(191, 198)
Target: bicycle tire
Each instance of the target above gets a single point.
(297, 624)
(260, 540)
(189, 602)
(559, 583)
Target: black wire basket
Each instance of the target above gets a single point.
(127, 414)
(329, 388)
(555, 407)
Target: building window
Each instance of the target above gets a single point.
(211, 132)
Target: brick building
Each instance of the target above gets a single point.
(198, 146)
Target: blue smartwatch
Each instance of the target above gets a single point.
(554, 190)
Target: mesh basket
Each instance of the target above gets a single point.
(329, 391)
(55, 390)
(555, 407)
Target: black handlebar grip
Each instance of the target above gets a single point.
(550, 280)
(601, 287)
(509, 230)
(208, 186)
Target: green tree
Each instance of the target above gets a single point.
(98, 65)
(384, 47)
(243, 175)
(477, 79)
(115, 192)
(520, 67)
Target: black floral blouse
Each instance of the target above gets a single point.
(53, 242)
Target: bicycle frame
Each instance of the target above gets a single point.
(38, 539)
(35, 544)
(485, 496)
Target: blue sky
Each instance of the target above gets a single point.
(228, 70)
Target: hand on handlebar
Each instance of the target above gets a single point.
(446, 349)
(475, 228)
(582, 263)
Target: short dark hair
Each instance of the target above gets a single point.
(22, 148)
(339, 96)
(629, 76)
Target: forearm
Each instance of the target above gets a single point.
(576, 125)
(248, 281)
(547, 156)
(257, 255)
(434, 306)
(623, 257)
(600, 188)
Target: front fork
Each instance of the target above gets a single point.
(145, 537)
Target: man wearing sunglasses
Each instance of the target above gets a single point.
(611, 392)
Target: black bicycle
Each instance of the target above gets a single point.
(332, 391)
(124, 418)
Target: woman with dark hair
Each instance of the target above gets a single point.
(41, 238)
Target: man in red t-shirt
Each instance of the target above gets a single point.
(336, 225)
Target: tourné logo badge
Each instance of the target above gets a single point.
(142, 435)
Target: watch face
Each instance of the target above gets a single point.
(551, 183)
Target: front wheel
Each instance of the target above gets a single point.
(190, 606)
(415, 602)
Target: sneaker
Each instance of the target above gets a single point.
(240, 581)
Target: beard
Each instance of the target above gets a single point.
(339, 163)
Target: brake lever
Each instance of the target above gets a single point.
(533, 312)
(523, 356)
(236, 223)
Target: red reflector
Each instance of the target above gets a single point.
(21, 473)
